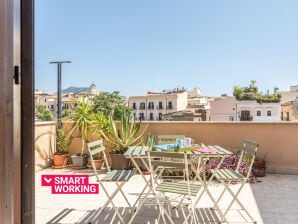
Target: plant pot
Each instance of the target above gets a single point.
(259, 168)
(80, 161)
(97, 162)
(120, 162)
(60, 160)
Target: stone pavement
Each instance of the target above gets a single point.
(271, 200)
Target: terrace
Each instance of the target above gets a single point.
(271, 199)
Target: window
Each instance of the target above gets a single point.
(142, 106)
(160, 105)
(151, 117)
(258, 113)
(134, 106)
(159, 116)
(268, 113)
(245, 115)
(141, 116)
(151, 106)
(170, 105)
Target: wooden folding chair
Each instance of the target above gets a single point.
(183, 194)
(230, 176)
(119, 177)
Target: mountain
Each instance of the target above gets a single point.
(73, 89)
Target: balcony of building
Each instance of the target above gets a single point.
(270, 199)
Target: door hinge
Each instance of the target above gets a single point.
(16, 74)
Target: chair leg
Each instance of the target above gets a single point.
(235, 199)
(110, 200)
(163, 211)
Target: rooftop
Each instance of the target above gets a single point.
(271, 199)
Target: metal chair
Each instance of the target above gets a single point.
(183, 194)
(230, 176)
(119, 177)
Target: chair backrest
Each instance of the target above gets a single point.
(96, 147)
(161, 161)
(248, 153)
(166, 139)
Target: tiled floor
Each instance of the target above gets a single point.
(271, 200)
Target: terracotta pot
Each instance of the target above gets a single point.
(259, 168)
(259, 164)
(60, 161)
(97, 162)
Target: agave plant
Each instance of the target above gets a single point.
(125, 134)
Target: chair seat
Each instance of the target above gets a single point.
(227, 175)
(118, 175)
(178, 188)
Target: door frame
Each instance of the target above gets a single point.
(27, 112)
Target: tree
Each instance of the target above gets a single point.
(110, 104)
(252, 83)
(237, 92)
(43, 113)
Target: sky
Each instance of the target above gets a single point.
(135, 46)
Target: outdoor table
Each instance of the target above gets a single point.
(200, 156)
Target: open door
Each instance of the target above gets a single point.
(16, 112)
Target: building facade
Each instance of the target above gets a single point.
(287, 96)
(198, 104)
(153, 105)
(223, 108)
(289, 111)
(251, 110)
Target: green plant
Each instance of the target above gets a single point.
(99, 122)
(110, 104)
(43, 113)
(125, 134)
(82, 120)
(251, 93)
(150, 140)
(63, 141)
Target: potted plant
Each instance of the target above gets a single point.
(63, 141)
(121, 137)
(259, 166)
(98, 161)
(82, 120)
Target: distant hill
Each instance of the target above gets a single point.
(73, 89)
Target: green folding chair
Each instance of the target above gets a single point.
(119, 177)
(178, 194)
(229, 176)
